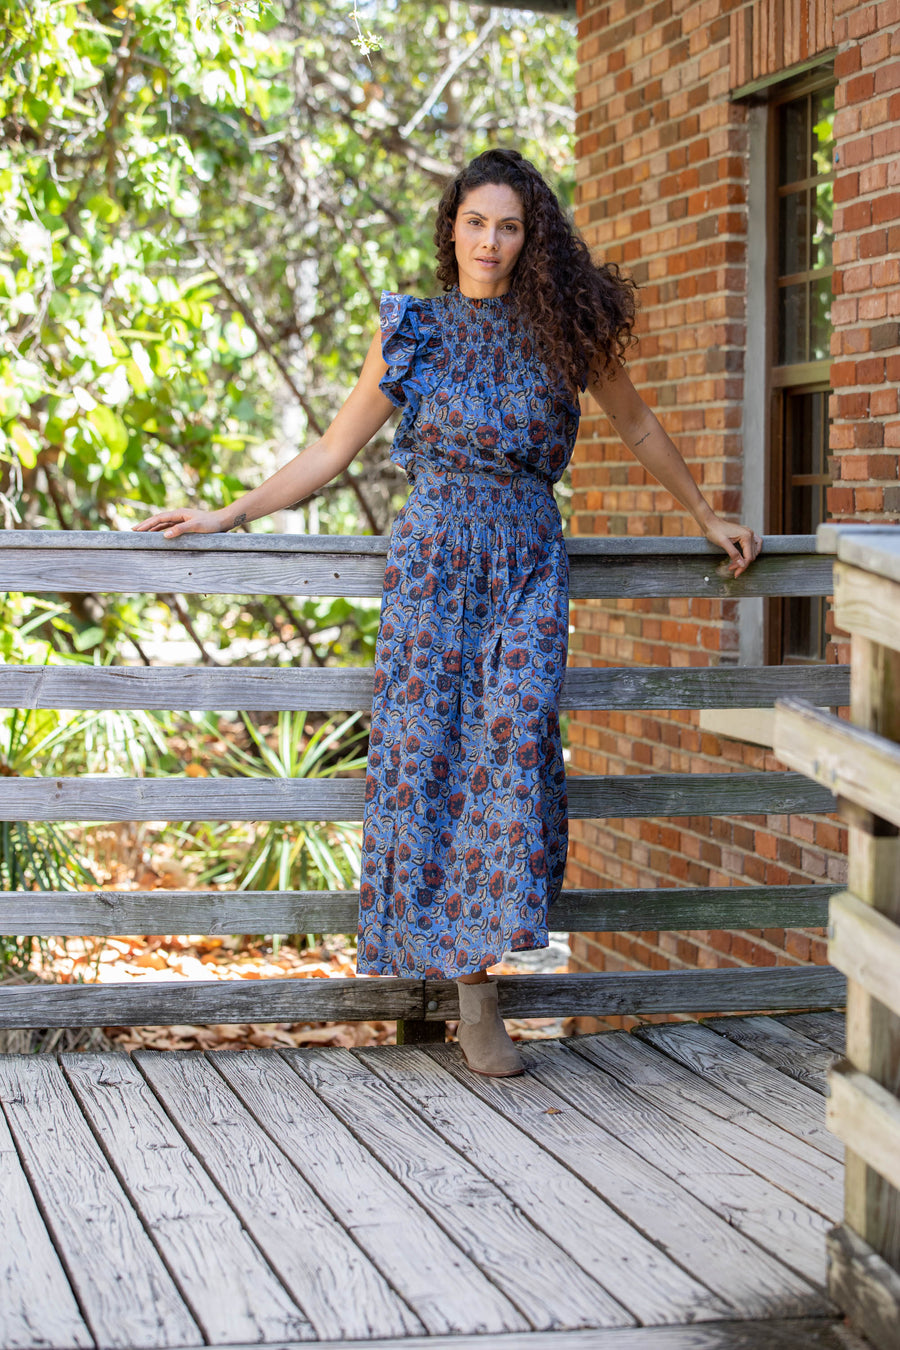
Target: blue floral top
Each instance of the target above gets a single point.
(474, 393)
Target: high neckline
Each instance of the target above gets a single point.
(481, 302)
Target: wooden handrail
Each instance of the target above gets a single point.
(610, 796)
(37, 561)
(108, 913)
(346, 1000)
(343, 689)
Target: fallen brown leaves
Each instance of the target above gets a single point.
(174, 958)
(253, 1036)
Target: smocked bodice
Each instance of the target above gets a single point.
(474, 392)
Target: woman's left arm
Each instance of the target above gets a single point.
(641, 431)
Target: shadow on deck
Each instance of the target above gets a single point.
(669, 1190)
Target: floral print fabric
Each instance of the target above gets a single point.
(473, 392)
(466, 828)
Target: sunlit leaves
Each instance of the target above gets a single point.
(200, 203)
(102, 168)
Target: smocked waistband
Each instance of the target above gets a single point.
(480, 478)
(483, 496)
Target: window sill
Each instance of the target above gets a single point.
(755, 726)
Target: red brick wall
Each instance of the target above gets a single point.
(768, 36)
(865, 430)
(662, 161)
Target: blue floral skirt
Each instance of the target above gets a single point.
(466, 825)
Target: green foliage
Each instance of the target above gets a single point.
(116, 123)
(197, 218)
(34, 855)
(200, 203)
(299, 855)
(286, 855)
(199, 206)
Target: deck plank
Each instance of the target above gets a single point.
(743, 1076)
(751, 1205)
(335, 1284)
(231, 1290)
(742, 1276)
(797, 1334)
(784, 1048)
(445, 1289)
(647, 1278)
(826, 1028)
(518, 1176)
(537, 1276)
(127, 1296)
(37, 1307)
(773, 1153)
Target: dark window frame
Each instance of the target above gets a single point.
(788, 381)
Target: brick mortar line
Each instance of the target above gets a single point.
(870, 485)
(844, 420)
(728, 237)
(661, 822)
(700, 82)
(730, 401)
(816, 818)
(844, 169)
(589, 174)
(829, 871)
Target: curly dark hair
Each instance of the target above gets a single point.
(580, 312)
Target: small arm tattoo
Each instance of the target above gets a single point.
(239, 520)
(643, 438)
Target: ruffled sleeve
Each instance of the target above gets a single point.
(401, 346)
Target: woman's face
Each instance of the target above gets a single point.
(489, 234)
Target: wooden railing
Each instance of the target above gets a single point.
(860, 763)
(354, 566)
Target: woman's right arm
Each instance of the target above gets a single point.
(364, 412)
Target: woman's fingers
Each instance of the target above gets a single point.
(741, 544)
(750, 545)
(174, 523)
(161, 520)
(157, 522)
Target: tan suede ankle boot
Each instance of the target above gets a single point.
(482, 1036)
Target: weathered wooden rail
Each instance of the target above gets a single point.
(859, 762)
(301, 565)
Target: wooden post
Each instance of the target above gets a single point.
(872, 1205)
(862, 765)
(420, 1032)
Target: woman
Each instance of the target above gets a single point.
(465, 830)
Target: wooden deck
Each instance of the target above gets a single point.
(670, 1189)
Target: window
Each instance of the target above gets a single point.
(801, 204)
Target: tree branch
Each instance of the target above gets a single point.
(346, 478)
(180, 609)
(454, 67)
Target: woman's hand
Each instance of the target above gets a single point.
(186, 520)
(738, 541)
